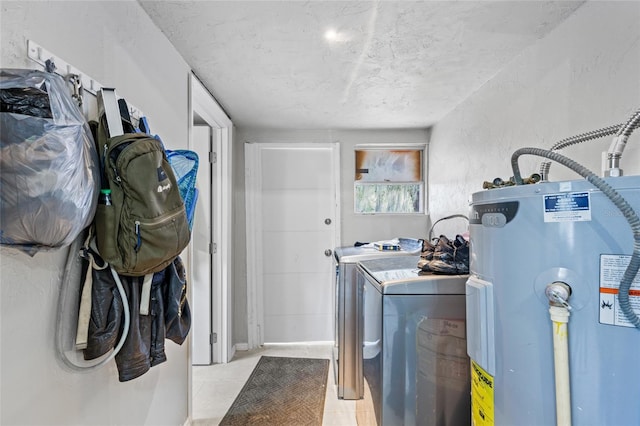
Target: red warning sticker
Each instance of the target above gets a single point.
(612, 268)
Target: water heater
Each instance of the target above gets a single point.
(524, 238)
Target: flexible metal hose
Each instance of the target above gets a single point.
(593, 134)
(573, 140)
(618, 201)
(630, 125)
(614, 154)
(624, 130)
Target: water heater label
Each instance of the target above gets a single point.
(481, 396)
(567, 207)
(494, 214)
(612, 268)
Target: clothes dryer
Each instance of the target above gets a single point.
(347, 348)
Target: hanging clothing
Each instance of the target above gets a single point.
(158, 309)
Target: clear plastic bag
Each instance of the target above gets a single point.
(49, 172)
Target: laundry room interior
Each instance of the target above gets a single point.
(435, 203)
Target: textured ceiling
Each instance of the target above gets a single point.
(391, 64)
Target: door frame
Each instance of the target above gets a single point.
(201, 307)
(253, 191)
(202, 104)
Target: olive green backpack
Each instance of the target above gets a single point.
(145, 225)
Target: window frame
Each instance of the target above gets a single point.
(423, 188)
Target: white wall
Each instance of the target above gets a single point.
(583, 76)
(353, 227)
(116, 44)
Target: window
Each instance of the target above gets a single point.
(389, 179)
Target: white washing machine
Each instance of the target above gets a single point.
(414, 356)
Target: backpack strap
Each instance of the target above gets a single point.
(108, 107)
(145, 294)
(84, 311)
(109, 125)
(144, 125)
(127, 122)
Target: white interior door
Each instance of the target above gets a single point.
(202, 236)
(295, 217)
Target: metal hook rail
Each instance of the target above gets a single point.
(81, 82)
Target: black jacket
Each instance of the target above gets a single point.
(167, 316)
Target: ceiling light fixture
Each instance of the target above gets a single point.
(331, 35)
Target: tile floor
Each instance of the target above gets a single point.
(215, 387)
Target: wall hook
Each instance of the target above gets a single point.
(78, 90)
(49, 65)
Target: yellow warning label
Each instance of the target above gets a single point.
(481, 396)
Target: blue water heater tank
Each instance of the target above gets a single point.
(522, 239)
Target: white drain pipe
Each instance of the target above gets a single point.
(558, 294)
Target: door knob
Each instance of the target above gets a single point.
(328, 252)
(327, 221)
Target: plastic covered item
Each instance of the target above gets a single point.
(49, 172)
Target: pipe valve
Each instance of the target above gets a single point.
(558, 294)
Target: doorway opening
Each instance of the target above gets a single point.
(210, 252)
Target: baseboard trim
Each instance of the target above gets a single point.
(242, 346)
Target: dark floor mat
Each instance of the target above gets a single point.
(281, 391)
